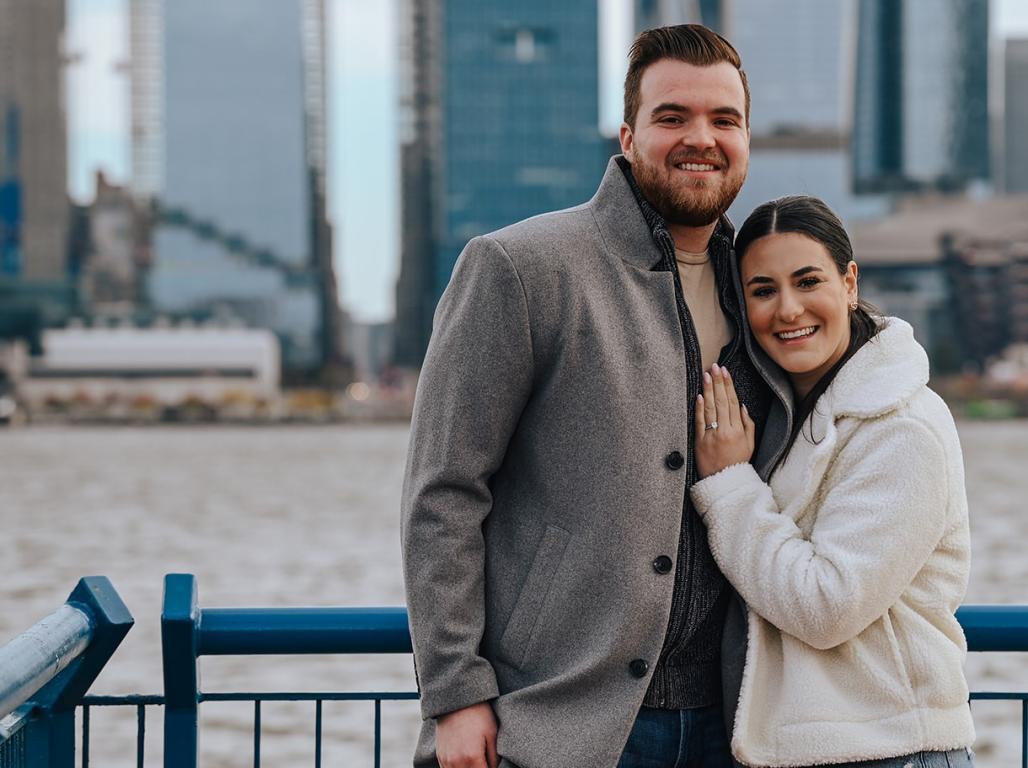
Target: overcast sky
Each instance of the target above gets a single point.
(363, 156)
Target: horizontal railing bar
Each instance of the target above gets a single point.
(306, 696)
(14, 722)
(36, 656)
(333, 630)
(995, 627)
(157, 701)
(132, 699)
(260, 631)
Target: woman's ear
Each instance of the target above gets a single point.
(850, 279)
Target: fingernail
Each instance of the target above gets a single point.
(706, 377)
(699, 398)
(715, 368)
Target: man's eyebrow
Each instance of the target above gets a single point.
(672, 106)
(798, 273)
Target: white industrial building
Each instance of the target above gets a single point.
(165, 366)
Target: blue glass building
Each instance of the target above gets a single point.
(501, 122)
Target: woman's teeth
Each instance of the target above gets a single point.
(796, 334)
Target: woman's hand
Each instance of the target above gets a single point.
(724, 430)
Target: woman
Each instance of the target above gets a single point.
(854, 558)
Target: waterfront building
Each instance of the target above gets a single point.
(34, 207)
(956, 268)
(500, 121)
(1015, 122)
(158, 367)
(921, 100)
(238, 168)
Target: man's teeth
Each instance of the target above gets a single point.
(694, 167)
(798, 333)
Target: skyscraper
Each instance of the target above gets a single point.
(34, 208)
(240, 182)
(799, 66)
(1015, 121)
(921, 99)
(501, 121)
(800, 69)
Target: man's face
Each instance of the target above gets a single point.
(690, 146)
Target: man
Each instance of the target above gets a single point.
(559, 582)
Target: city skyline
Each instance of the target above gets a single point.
(363, 152)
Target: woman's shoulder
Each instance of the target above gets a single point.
(889, 371)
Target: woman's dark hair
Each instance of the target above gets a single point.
(811, 217)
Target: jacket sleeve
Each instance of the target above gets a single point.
(474, 384)
(882, 511)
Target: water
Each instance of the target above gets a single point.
(309, 516)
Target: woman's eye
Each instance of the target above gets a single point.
(761, 293)
(809, 282)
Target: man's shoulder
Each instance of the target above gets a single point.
(547, 231)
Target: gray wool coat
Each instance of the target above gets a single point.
(536, 494)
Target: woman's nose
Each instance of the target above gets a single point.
(788, 307)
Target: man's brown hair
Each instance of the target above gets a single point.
(692, 43)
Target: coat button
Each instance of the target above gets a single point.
(662, 564)
(638, 667)
(674, 460)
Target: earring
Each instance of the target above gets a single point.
(853, 305)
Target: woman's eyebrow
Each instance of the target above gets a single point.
(798, 273)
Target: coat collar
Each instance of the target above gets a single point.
(882, 375)
(631, 227)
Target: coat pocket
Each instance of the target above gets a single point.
(525, 616)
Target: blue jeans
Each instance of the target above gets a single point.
(677, 738)
(957, 758)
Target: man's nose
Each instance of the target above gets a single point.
(698, 134)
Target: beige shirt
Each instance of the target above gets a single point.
(700, 290)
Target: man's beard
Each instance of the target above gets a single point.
(687, 202)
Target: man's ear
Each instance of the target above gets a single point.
(627, 140)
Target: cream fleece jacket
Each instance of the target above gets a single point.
(852, 562)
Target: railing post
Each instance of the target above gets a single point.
(50, 734)
(179, 620)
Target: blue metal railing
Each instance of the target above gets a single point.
(991, 628)
(189, 632)
(40, 732)
(46, 671)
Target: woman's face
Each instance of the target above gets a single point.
(798, 304)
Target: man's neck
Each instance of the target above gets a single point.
(691, 239)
